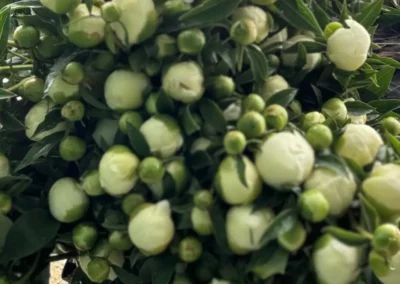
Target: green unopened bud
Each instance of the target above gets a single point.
(33, 89)
(102, 249)
(276, 117)
(151, 170)
(72, 148)
(392, 125)
(273, 60)
(49, 47)
(312, 118)
(84, 236)
(190, 249)
(336, 110)
(244, 32)
(131, 202)
(203, 199)
(120, 241)
(4, 166)
(5, 203)
(201, 222)
(98, 270)
(90, 183)
(235, 142)
(175, 7)
(191, 41)
(331, 28)
(221, 87)
(252, 124)
(151, 103)
(110, 12)
(73, 111)
(104, 61)
(319, 136)
(26, 36)
(313, 206)
(152, 67)
(166, 46)
(253, 102)
(293, 239)
(386, 240)
(73, 73)
(131, 117)
(378, 264)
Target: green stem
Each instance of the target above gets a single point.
(19, 55)
(364, 232)
(28, 274)
(17, 67)
(16, 86)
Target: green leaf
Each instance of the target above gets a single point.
(125, 276)
(369, 215)
(297, 14)
(135, 256)
(310, 47)
(384, 77)
(91, 100)
(281, 224)
(385, 106)
(394, 142)
(30, 233)
(356, 169)
(200, 160)
(218, 221)
(4, 29)
(138, 141)
(213, 115)
(89, 5)
(4, 94)
(283, 98)
(51, 120)
(258, 62)
(19, 187)
(347, 237)
(189, 123)
(375, 59)
(10, 122)
(165, 104)
(165, 269)
(301, 59)
(241, 170)
(5, 226)
(262, 256)
(344, 13)
(370, 13)
(276, 264)
(37, 22)
(321, 16)
(357, 108)
(334, 163)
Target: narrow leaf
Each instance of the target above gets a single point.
(394, 142)
(91, 100)
(369, 214)
(138, 141)
(4, 29)
(283, 98)
(258, 62)
(310, 47)
(357, 108)
(189, 123)
(385, 106)
(370, 13)
(321, 16)
(125, 276)
(383, 77)
(280, 225)
(334, 163)
(347, 237)
(4, 94)
(213, 115)
(241, 170)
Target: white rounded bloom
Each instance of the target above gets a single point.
(393, 275)
(115, 258)
(125, 90)
(67, 201)
(255, 14)
(290, 59)
(152, 228)
(348, 47)
(36, 116)
(273, 85)
(61, 92)
(360, 143)
(335, 262)
(118, 170)
(4, 166)
(285, 160)
(229, 185)
(281, 36)
(106, 129)
(339, 190)
(245, 227)
(184, 82)
(163, 135)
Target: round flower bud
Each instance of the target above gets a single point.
(184, 82)
(273, 85)
(4, 166)
(90, 183)
(5, 203)
(221, 87)
(319, 136)
(293, 239)
(245, 228)
(26, 36)
(98, 270)
(175, 7)
(118, 170)
(253, 102)
(60, 6)
(252, 124)
(114, 257)
(360, 143)
(104, 61)
(73, 73)
(151, 170)
(201, 222)
(289, 59)
(131, 202)
(166, 46)
(33, 89)
(61, 92)
(379, 264)
(338, 189)
(190, 249)
(336, 110)
(73, 111)
(191, 41)
(231, 188)
(312, 118)
(131, 117)
(392, 125)
(276, 117)
(235, 142)
(331, 28)
(120, 241)
(110, 12)
(203, 199)
(163, 135)
(263, 2)
(386, 240)
(257, 16)
(180, 174)
(72, 148)
(313, 205)
(273, 60)
(49, 47)
(348, 47)
(244, 31)
(84, 236)
(285, 160)
(36, 116)
(151, 229)
(335, 262)
(67, 201)
(125, 90)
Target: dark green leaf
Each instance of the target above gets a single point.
(200, 160)
(321, 16)
(51, 120)
(258, 62)
(347, 237)
(125, 276)
(165, 104)
(334, 163)
(5, 226)
(10, 122)
(138, 141)
(241, 170)
(19, 187)
(4, 29)
(134, 257)
(23, 203)
(383, 77)
(30, 233)
(370, 13)
(37, 22)
(301, 59)
(213, 115)
(283, 98)
(189, 123)
(310, 47)
(281, 224)
(375, 59)
(89, 4)
(4, 94)
(91, 100)
(218, 221)
(369, 215)
(385, 106)
(344, 13)
(276, 264)
(11, 180)
(356, 169)
(262, 256)
(357, 108)
(393, 141)
(165, 269)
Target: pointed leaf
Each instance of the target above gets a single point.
(125, 276)
(4, 29)
(213, 115)
(241, 170)
(383, 77)
(357, 108)
(281, 224)
(283, 98)
(321, 16)
(258, 62)
(370, 13)
(138, 141)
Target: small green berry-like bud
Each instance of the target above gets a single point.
(73, 73)
(33, 89)
(293, 239)
(131, 202)
(166, 46)
(191, 41)
(273, 60)
(5, 203)
(84, 236)
(331, 28)
(98, 270)
(312, 118)
(90, 183)
(386, 240)
(190, 249)
(222, 87)
(253, 102)
(120, 241)
(104, 61)
(73, 111)
(252, 124)
(49, 47)
(151, 170)
(102, 249)
(392, 125)
(313, 205)
(336, 110)
(131, 117)
(201, 222)
(26, 36)
(203, 199)
(72, 148)
(175, 7)
(319, 136)
(276, 117)
(244, 32)
(110, 12)
(235, 142)
(378, 264)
